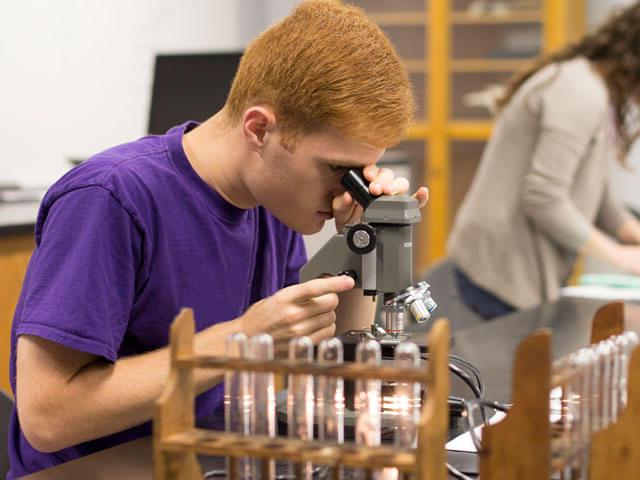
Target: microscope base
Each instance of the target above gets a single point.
(388, 343)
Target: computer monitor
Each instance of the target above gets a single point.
(189, 87)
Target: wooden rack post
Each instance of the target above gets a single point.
(176, 441)
(518, 447)
(175, 409)
(431, 455)
(615, 450)
(607, 321)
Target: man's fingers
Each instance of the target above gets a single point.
(370, 172)
(422, 195)
(325, 303)
(399, 186)
(318, 287)
(342, 203)
(306, 326)
(323, 333)
(382, 179)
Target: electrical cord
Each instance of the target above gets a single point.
(481, 404)
(470, 366)
(466, 378)
(453, 471)
(470, 375)
(475, 384)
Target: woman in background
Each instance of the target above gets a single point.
(541, 196)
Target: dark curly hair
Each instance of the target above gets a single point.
(614, 49)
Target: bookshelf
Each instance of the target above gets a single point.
(454, 48)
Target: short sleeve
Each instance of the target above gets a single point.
(296, 258)
(80, 284)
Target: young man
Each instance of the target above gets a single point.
(207, 216)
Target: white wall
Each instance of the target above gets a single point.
(76, 75)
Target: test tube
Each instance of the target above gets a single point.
(300, 401)
(263, 403)
(595, 419)
(604, 351)
(405, 408)
(330, 400)
(585, 359)
(237, 400)
(561, 418)
(614, 395)
(367, 400)
(330, 396)
(627, 342)
(407, 355)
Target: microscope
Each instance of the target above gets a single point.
(377, 254)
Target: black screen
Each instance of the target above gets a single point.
(189, 87)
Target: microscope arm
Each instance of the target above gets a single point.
(332, 259)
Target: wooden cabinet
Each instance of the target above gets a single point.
(454, 50)
(15, 252)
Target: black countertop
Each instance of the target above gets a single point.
(18, 217)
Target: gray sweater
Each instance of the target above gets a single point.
(540, 186)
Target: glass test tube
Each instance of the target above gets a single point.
(405, 405)
(560, 416)
(330, 400)
(300, 402)
(614, 395)
(237, 400)
(585, 359)
(575, 406)
(604, 351)
(330, 394)
(367, 401)
(627, 343)
(263, 403)
(595, 403)
(407, 395)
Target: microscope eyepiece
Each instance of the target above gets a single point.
(354, 182)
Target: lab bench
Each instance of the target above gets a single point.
(490, 346)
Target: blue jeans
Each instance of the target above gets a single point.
(478, 299)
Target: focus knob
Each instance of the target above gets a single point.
(361, 239)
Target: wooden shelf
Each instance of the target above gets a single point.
(399, 18)
(444, 69)
(415, 66)
(461, 129)
(476, 65)
(418, 131)
(523, 16)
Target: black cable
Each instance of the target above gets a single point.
(470, 366)
(472, 369)
(466, 379)
(457, 473)
(476, 387)
(482, 403)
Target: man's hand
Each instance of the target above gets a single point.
(304, 309)
(381, 182)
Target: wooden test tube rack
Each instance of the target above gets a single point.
(176, 441)
(520, 445)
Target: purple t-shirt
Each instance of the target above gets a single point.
(123, 242)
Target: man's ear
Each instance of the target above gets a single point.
(257, 123)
